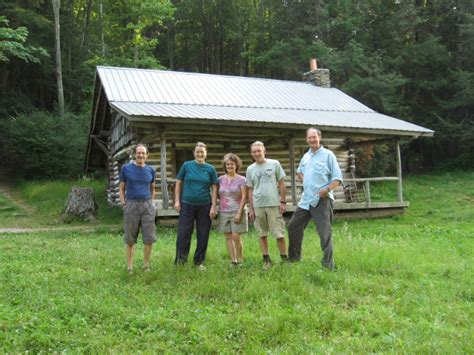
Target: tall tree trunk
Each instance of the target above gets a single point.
(102, 41)
(57, 42)
(85, 26)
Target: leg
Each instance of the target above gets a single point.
(298, 223)
(239, 247)
(203, 226)
(148, 231)
(264, 245)
(131, 228)
(230, 246)
(322, 215)
(129, 250)
(185, 230)
(146, 255)
(282, 246)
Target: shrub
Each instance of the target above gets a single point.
(42, 145)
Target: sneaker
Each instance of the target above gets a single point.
(130, 271)
(202, 267)
(147, 268)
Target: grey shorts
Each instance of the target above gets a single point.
(136, 214)
(269, 219)
(227, 224)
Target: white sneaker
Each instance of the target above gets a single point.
(202, 267)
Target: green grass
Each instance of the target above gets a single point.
(402, 284)
(48, 199)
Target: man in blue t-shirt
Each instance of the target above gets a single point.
(137, 189)
(321, 174)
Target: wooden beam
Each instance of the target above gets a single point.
(352, 145)
(399, 173)
(291, 145)
(164, 183)
(101, 144)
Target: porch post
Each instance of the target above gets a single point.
(399, 173)
(164, 183)
(292, 171)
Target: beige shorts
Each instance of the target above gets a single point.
(269, 219)
(227, 224)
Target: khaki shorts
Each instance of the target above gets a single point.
(269, 219)
(136, 214)
(227, 224)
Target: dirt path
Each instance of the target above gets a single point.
(6, 181)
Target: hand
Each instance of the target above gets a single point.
(323, 193)
(177, 206)
(282, 208)
(252, 215)
(237, 218)
(213, 212)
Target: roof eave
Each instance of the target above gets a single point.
(211, 121)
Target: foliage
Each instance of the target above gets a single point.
(408, 59)
(402, 284)
(12, 44)
(43, 145)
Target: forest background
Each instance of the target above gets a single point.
(410, 59)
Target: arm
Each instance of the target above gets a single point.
(177, 195)
(300, 176)
(152, 190)
(282, 192)
(336, 176)
(122, 192)
(250, 198)
(243, 200)
(213, 212)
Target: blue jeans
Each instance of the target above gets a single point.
(187, 216)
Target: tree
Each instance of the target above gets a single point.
(57, 45)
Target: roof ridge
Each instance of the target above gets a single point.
(165, 71)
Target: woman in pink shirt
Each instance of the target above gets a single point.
(233, 220)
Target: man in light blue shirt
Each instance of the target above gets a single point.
(321, 174)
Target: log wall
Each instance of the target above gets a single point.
(220, 140)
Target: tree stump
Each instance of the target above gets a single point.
(80, 205)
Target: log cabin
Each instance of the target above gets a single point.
(170, 111)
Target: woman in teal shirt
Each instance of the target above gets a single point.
(195, 203)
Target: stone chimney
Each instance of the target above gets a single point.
(318, 77)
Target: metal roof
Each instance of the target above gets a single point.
(143, 93)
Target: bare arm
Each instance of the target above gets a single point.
(213, 211)
(243, 200)
(282, 191)
(300, 176)
(250, 199)
(122, 192)
(333, 185)
(152, 190)
(177, 195)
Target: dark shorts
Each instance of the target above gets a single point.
(139, 214)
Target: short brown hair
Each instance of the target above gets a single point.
(233, 158)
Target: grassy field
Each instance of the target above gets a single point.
(47, 200)
(402, 284)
